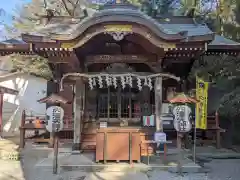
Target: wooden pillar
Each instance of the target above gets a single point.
(218, 135)
(1, 110)
(158, 103)
(79, 91)
(119, 101)
(22, 130)
(52, 87)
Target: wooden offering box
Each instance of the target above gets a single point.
(118, 144)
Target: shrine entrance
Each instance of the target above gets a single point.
(121, 83)
(152, 54)
(122, 101)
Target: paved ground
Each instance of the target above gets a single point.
(26, 170)
(225, 169)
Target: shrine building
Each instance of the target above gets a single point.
(118, 68)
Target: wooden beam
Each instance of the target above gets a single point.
(106, 58)
(58, 60)
(158, 103)
(78, 112)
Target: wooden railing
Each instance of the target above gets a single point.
(32, 127)
(212, 135)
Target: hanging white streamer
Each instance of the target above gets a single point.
(100, 82)
(108, 81)
(145, 82)
(115, 82)
(123, 83)
(139, 84)
(130, 81)
(150, 83)
(94, 82)
(90, 82)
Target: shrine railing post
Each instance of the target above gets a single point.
(22, 130)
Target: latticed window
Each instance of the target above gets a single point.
(116, 104)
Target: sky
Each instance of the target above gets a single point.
(9, 9)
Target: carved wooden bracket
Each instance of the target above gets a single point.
(118, 36)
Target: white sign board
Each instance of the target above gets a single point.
(54, 118)
(160, 137)
(103, 124)
(182, 118)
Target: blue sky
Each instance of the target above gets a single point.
(9, 9)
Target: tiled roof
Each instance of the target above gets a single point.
(192, 29)
(220, 40)
(13, 41)
(71, 28)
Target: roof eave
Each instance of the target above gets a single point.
(224, 47)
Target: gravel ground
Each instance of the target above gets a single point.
(228, 169)
(26, 170)
(221, 170)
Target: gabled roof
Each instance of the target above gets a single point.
(193, 29)
(171, 28)
(174, 27)
(17, 40)
(14, 45)
(69, 29)
(221, 42)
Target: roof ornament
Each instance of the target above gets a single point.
(111, 4)
(49, 15)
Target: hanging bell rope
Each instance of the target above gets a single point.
(117, 75)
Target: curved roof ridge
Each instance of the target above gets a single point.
(121, 11)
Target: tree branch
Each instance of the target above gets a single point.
(67, 9)
(75, 6)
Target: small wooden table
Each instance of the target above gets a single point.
(157, 142)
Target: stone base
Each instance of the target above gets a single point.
(76, 146)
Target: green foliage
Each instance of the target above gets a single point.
(28, 20)
(35, 65)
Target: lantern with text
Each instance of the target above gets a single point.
(182, 118)
(54, 119)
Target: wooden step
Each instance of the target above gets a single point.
(88, 146)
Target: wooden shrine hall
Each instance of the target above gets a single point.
(117, 67)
